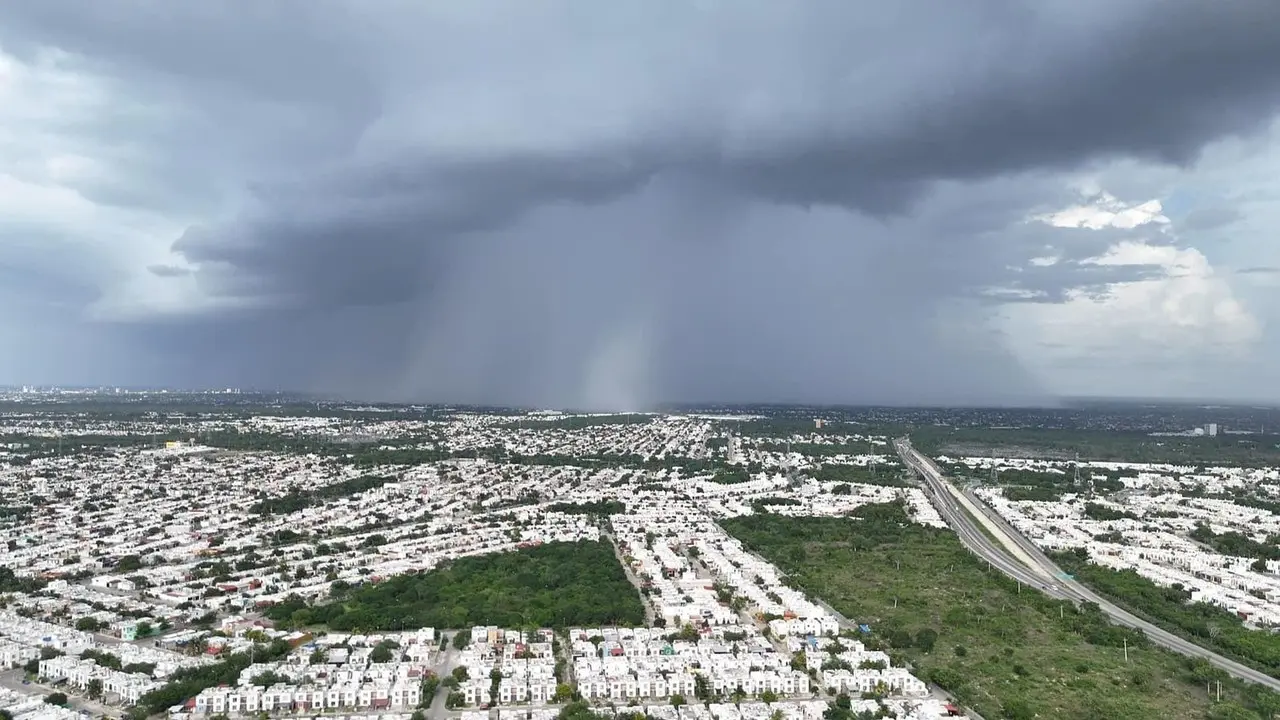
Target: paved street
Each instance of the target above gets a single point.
(447, 661)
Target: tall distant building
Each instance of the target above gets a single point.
(817, 423)
(1211, 429)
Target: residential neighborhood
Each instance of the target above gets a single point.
(155, 548)
(1209, 531)
(247, 564)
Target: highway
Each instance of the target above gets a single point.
(1020, 559)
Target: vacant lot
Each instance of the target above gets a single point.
(1004, 652)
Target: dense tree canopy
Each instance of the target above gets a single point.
(599, 507)
(558, 584)
(1238, 544)
(11, 582)
(838, 473)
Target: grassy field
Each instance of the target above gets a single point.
(1005, 653)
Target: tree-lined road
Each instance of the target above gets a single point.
(1019, 558)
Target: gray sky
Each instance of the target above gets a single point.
(613, 204)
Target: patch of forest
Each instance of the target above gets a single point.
(553, 585)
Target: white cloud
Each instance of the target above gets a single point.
(1107, 341)
(1105, 211)
(1190, 308)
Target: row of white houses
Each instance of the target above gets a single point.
(79, 673)
(374, 696)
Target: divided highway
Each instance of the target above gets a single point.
(1016, 556)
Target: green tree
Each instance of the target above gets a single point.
(380, 654)
(800, 662)
(578, 710)
(430, 684)
(1266, 703)
(56, 698)
(461, 639)
(687, 633)
(94, 689)
(702, 688)
(926, 638)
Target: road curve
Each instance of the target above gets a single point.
(944, 496)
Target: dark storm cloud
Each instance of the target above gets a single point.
(1019, 92)
(550, 204)
(381, 232)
